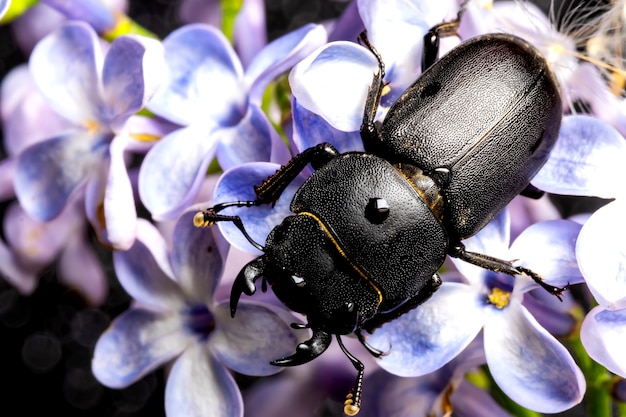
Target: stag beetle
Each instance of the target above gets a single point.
(370, 229)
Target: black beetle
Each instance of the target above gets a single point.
(370, 230)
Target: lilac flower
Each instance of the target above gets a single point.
(41, 19)
(439, 393)
(175, 319)
(346, 68)
(218, 103)
(527, 363)
(587, 159)
(100, 99)
(32, 245)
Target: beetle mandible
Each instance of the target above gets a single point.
(370, 229)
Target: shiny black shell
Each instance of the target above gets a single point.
(489, 112)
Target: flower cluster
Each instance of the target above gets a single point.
(110, 131)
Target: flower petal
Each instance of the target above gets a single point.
(602, 333)
(548, 248)
(309, 130)
(431, 335)
(133, 69)
(253, 139)
(587, 152)
(110, 200)
(601, 254)
(250, 31)
(137, 342)
(237, 184)
(139, 271)
(200, 386)
(196, 259)
(280, 55)
(256, 336)
(529, 364)
(80, 269)
(65, 66)
(333, 82)
(26, 116)
(49, 171)
(204, 78)
(23, 277)
(173, 170)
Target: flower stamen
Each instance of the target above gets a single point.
(499, 298)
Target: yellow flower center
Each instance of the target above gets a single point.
(499, 298)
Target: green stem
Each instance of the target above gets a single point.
(230, 9)
(16, 9)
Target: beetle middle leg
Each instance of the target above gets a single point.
(430, 48)
(500, 265)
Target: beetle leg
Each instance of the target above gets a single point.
(244, 283)
(430, 48)
(210, 216)
(500, 265)
(273, 187)
(352, 405)
(308, 350)
(422, 296)
(371, 349)
(372, 141)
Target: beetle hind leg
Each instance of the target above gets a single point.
(500, 265)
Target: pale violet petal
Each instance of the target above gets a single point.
(27, 118)
(49, 171)
(431, 335)
(257, 335)
(251, 140)
(548, 248)
(601, 254)
(280, 56)
(80, 269)
(587, 152)
(21, 277)
(196, 259)
(174, 169)
(309, 130)
(333, 82)
(136, 343)
(529, 364)
(603, 333)
(118, 205)
(134, 67)
(66, 66)
(139, 271)
(237, 184)
(250, 31)
(199, 386)
(205, 78)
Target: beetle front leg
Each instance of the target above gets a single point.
(500, 265)
(430, 48)
(372, 141)
(273, 187)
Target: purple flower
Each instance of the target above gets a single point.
(176, 319)
(32, 245)
(209, 93)
(99, 97)
(526, 362)
(587, 159)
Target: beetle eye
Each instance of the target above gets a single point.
(377, 210)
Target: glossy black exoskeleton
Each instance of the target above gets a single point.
(370, 230)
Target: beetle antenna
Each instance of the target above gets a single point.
(352, 405)
(210, 216)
